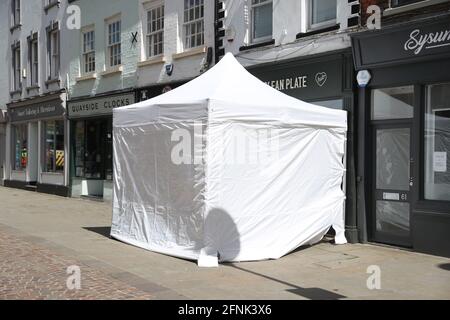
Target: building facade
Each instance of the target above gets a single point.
(4, 85)
(37, 131)
(404, 126)
(177, 44)
(125, 52)
(303, 49)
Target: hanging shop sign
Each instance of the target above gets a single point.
(98, 106)
(409, 43)
(37, 110)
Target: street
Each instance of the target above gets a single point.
(41, 236)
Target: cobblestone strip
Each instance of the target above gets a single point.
(32, 272)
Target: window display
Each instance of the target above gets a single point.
(54, 146)
(20, 134)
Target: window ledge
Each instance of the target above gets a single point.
(190, 52)
(30, 88)
(411, 6)
(86, 77)
(111, 71)
(51, 5)
(13, 93)
(52, 81)
(151, 61)
(14, 27)
(257, 45)
(317, 31)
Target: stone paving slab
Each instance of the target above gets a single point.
(78, 231)
(31, 271)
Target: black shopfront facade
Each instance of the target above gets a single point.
(403, 147)
(327, 80)
(149, 92)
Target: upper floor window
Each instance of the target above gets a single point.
(261, 27)
(88, 54)
(398, 3)
(53, 54)
(114, 49)
(322, 13)
(15, 12)
(16, 66)
(34, 61)
(193, 23)
(155, 30)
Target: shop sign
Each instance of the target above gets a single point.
(407, 43)
(304, 80)
(98, 106)
(151, 92)
(39, 110)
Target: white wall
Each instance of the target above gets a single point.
(187, 65)
(290, 17)
(95, 13)
(35, 19)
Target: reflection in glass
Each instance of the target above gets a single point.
(437, 143)
(392, 159)
(323, 11)
(393, 217)
(393, 103)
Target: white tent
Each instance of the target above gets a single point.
(226, 166)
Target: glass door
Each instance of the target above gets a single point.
(391, 184)
(392, 113)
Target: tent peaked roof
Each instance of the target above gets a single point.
(240, 95)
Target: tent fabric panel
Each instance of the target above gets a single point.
(157, 202)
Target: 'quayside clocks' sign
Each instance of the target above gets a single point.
(99, 106)
(413, 42)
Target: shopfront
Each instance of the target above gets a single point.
(91, 143)
(404, 135)
(2, 144)
(326, 80)
(36, 145)
(153, 91)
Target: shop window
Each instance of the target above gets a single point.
(193, 23)
(88, 51)
(54, 146)
(322, 13)
(437, 143)
(399, 3)
(332, 104)
(155, 30)
(114, 43)
(262, 20)
(93, 149)
(20, 137)
(393, 103)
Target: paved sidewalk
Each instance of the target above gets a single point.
(42, 235)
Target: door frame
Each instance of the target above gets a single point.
(379, 236)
